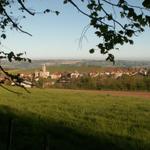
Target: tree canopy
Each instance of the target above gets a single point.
(116, 22)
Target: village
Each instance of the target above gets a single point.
(30, 79)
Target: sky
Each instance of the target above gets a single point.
(58, 36)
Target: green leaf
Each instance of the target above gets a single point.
(98, 33)
(90, 6)
(103, 28)
(146, 3)
(46, 11)
(121, 32)
(111, 58)
(110, 17)
(10, 56)
(3, 36)
(129, 33)
(95, 14)
(29, 60)
(65, 1)
(20, 54)
(92, 51)
(131, 42)
(57, 13)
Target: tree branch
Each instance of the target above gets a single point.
(14, 24)
(10, 76)
(24, 8)
(79, 9)
(110, 3)
(9, 90)
(113, 19)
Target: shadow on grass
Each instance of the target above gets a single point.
(31, 132)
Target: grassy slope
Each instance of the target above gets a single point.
(74, 120)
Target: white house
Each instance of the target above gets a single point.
(55, 76)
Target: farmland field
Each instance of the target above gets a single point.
(74, 120)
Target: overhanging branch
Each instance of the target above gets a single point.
(14, 23)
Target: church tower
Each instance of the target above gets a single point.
(44, 68)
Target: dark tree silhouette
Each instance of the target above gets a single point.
(104, 17)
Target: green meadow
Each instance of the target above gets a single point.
(73, 120)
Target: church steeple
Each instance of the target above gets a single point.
(44, 68)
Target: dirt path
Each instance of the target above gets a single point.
(127, 93)
(119, 93)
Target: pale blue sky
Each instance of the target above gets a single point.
(58, 36)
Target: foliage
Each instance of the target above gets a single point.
(109, 30)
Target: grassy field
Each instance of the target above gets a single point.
(74, 120)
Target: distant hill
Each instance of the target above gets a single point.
(59, 62)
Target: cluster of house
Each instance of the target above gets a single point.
(66, 76)
(113, 72)
(116, 73)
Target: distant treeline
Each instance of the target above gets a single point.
(125, 83)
